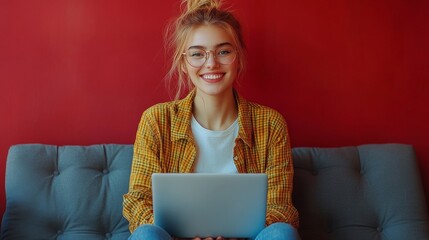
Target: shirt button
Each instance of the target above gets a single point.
(235, 158)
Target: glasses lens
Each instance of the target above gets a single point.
(197, 57)
(225, 55)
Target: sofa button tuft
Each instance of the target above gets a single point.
(379, 229)
(105, 171)
(56, 173)
(108, 235)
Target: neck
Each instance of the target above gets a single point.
(215, 112)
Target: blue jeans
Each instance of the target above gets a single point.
(276, 231)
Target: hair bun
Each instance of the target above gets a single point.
(193, 5)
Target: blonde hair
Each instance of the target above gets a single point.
(197, 13)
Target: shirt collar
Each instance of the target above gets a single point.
(181, 123)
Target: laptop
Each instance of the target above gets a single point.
(203, 205)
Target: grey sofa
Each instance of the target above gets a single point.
(348, 193)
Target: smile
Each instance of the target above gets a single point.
(212, 76)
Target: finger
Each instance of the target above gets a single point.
(220, 238)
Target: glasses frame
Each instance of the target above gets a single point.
(207, 57)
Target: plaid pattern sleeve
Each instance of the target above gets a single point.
(280, 174)
(138, 201)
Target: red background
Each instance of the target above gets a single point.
(341, 72)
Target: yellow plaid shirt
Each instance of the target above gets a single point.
(165, 144)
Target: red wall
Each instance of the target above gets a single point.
(341, 72)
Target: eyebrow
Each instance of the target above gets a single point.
(217, 46)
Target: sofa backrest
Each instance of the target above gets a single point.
(360, 193)
(68, 192)
(75, 192)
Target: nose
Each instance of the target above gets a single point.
(211, 60)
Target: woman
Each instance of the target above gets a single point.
(183, 135)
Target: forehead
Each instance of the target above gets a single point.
(208, 36)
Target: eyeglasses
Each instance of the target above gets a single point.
(197, 57)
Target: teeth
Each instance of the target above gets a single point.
(212, 76)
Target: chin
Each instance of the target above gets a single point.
(215, 91)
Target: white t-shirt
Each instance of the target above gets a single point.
(215, 148)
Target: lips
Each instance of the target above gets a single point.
(212, 77)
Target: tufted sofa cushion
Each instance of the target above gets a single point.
(70, 192)
(367, 192)
(370, 192)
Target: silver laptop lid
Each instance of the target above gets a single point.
(228, 205)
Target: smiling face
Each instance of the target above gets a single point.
(212, 78)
